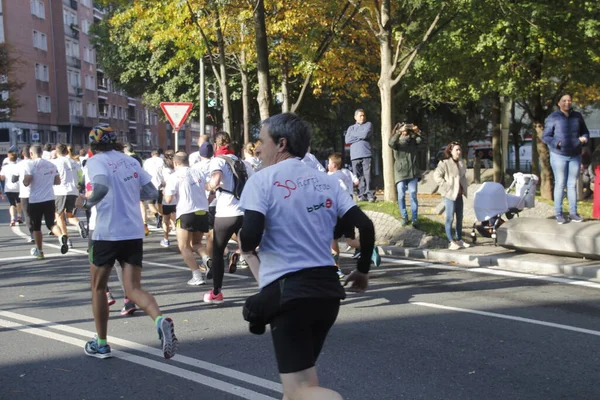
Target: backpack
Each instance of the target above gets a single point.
(240, 176)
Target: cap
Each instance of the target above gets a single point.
(206, 150)
(103, 134)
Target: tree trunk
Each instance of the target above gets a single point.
(262, 54)
(285, 92)
(546, 176)
(245, 101)
(223, 74)
(387, 118)
(497, 139)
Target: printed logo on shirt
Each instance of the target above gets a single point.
(326, 204)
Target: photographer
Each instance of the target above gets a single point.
(405, 142)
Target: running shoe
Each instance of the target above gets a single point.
(375, 257)
(168, 340)
(197, 280)
(83, 232)
(30, 239)
(19, 220)
(109, 297)
(208, 264)
(356, 254)
(92, 349)
(69, 243)
(340, 274)
(158, 221)
(12, 223)
(575, 218)
(165, 242)
(454, 246)
(210, 297)
(146, 230)
(242, 264)
(233, 260)
(560, 219)
(64, 247)
(37, 253)
(464, 245)
(128, 308)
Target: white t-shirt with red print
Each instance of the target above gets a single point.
(42, 180)
(188, 185)
(301, 206)
(118, 213)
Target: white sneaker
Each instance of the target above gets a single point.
(463, 244)
(197, 280)
(454, 246)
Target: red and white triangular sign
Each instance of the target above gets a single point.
(176, 113)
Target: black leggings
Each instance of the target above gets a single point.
(224, 228)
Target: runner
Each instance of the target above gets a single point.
(41, 175)
(117, 184)
(153, 166)
(228, 217)
(9, 171)
(129, 150)
(188, 186)
(24, 191)
(168, 208)
(206, 153)
(291, 210)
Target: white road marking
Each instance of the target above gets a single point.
(267, 384)
(30, 258)
(18, 232)
(160, 366)
(509, 317)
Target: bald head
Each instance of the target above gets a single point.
(181, 158)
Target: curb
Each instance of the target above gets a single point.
(510, 260)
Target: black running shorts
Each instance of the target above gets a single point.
(104, 253)
(13, 198)
(65, 203)
(169, 209)
(193, 222)
(299, 332)
(44, 210)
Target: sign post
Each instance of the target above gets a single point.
(176, 114)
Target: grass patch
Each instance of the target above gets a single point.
(584, 207)
(429, 226)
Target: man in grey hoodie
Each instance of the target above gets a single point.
(359, 137)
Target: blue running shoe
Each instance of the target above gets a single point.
(92, 349)
(375, 257)
(168, 340)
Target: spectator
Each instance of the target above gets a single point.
(359, 137)
(596, 168)
(565, 133)
(450, 175)
(405, 142)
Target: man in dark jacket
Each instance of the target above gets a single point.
(405, 142)
(565, 133)
(359, 137)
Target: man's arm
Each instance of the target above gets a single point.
(27, 180)
(100, 188)
(148, 192)
(215, 180)
(56, 180)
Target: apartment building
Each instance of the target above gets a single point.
(66, 93)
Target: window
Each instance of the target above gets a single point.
(72, 48)
(74, 79)
(41, 73)
(92, 111)
(44, 104)
(87, 3)
(114, 112)
(40, 40)
(88, 55)
(69, 18)
(37, 9)
(85, 26)
(90, 82)
(75, 108)
(121, 113)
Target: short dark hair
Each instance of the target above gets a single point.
(61, 149)
(25, 151)
(448, 149)
(293, 129)
(222, 139)
(102, 147)
(47, 147)
(182, 157)
(36, 149)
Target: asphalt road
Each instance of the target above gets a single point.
(422, 331)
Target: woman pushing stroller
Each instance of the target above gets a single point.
(450, 175)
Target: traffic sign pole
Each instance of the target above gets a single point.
(176, 113)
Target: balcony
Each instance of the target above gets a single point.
(76, 120)
(73, 62)
(72, 31)
(74, 4)
(79, 92)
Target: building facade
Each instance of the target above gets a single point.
(66, 93)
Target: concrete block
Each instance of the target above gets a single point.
(538, 235)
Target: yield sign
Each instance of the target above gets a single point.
(176, 113)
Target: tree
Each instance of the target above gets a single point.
(9, 87)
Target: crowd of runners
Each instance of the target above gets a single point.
(285, 210)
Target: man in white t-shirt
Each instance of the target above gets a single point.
(291, 210)
(153, 166)
(24, 190)
(9, 171)
(188, 186)
(40, 176)
(117, 183)
(66, 192)
(46, 152)
(195, 156)
(228, 216)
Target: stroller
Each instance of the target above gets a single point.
(491, 201)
